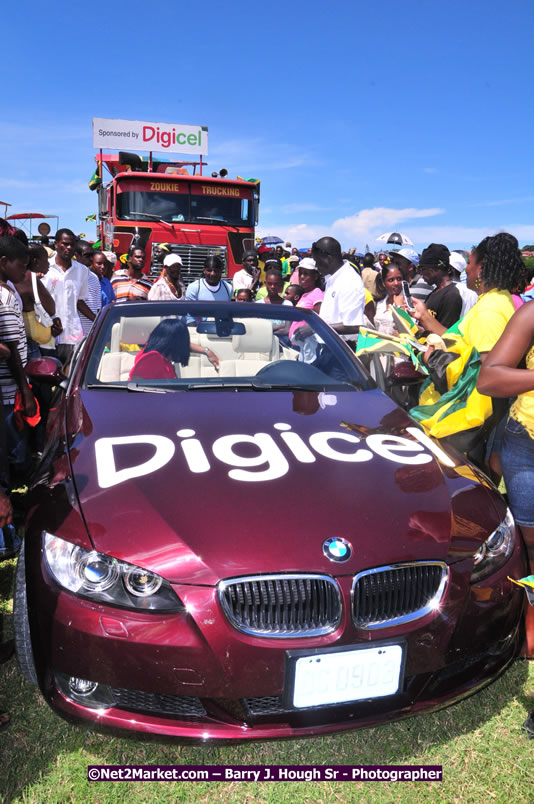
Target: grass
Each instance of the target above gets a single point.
(478, 742)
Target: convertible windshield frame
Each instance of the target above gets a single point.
(356, 376)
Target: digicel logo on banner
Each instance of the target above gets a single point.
(147, 136)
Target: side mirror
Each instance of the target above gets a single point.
(405, 373)
(46, 370)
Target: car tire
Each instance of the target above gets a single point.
(21, 622)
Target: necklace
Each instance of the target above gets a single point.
(172, 287)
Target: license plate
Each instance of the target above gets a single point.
(348, 675)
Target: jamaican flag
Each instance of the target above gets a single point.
(90, 218)
(252, 181)
(460, 407)
(96, 179)
(404, 323)
(370, 341)
(528, 585)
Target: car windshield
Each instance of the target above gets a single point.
(175, 346)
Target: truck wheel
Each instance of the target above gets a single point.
(23, 642)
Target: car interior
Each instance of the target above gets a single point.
(240, 355)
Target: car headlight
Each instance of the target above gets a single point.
(105, 579)
(496, 550)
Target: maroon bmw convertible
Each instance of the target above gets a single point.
(234, 533)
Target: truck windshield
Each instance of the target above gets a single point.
(183, 207)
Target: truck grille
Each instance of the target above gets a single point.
(283, 606)
(193, 258)
(397, 594)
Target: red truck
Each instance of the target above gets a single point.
(147, 204)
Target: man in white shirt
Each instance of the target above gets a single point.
(344, 293)
(67, 283)
(249, 276)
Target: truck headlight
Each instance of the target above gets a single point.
(496, 550)
(105, 579)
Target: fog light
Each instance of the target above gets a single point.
(79, 686)
(86, 693)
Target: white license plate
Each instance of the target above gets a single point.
(348, 675)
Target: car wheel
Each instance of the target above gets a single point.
(23, 642)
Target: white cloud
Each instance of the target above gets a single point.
(354, 230)
(456, 236)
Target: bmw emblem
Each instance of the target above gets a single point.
(337, 549)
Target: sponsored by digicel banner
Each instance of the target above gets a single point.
(139, 135)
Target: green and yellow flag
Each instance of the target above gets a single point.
(461, 407)
(90, 218)
(370, 341)
(404, 323)
(95, 180)
(528, 585)
(252, 181)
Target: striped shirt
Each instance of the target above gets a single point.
(419, 289)
(11, 329)
(93, 300)
(125, 287)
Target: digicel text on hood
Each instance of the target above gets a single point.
(270, 462)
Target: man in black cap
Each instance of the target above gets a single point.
(445, 302)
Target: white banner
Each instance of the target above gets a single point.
(138, 135)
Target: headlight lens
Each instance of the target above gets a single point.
(105, 579)
(496, 550)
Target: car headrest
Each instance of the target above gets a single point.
(257, 338)
(137, 330)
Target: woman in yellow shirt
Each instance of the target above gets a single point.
(450, 406)
(501, 377)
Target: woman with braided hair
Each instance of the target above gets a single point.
(450, 407)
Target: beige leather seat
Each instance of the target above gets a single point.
(239, 355)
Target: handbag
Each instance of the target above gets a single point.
(41, 315)
(35, 330)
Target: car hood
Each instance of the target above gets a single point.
(205, 485)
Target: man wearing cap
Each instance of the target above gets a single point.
(408, 261)
(445, 302)
(469, 297)
(169, 285)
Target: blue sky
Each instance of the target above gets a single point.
(358, 117)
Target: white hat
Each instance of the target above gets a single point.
(172, 259)
(408, 253)
(457, 262)
(110, 256)
(308, 264)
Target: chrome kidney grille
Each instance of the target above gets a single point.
(397, 594)
(282, 606)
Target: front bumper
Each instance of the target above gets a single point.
(192, 675)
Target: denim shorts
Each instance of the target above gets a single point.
(517, 460)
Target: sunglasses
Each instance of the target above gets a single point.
(318, 250)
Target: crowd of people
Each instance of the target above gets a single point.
(472, 320)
